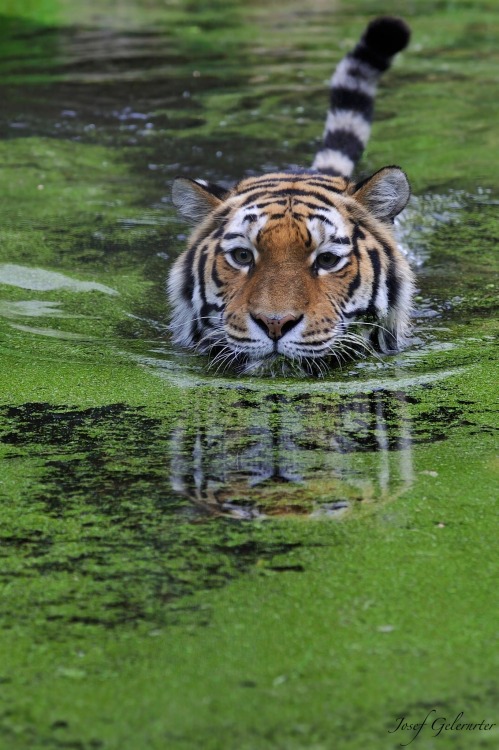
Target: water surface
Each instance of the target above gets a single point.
(191, 559)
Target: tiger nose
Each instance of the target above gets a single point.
(276, 327)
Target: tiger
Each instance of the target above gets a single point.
(300, 269)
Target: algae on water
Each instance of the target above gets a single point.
(195, 560)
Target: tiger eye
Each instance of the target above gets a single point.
(327, 261)
(243, 256)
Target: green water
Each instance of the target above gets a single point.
(191, 560)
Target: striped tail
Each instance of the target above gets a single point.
(352, 92)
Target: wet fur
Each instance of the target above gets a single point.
(287, 221)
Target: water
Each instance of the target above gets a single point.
(191, 559)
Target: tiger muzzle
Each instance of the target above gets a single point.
(276, 327)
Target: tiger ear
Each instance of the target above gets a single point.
(385, 193)
(195, 199)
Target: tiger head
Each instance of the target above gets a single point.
(300, 268)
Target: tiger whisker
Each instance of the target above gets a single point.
(356, 342)
(370, 325)
(224, 360)
(360, 342)
(174, 326)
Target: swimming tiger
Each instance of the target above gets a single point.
(301, 267)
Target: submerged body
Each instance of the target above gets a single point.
(281, 266)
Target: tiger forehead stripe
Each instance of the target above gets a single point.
(291, 177)
(288, 192)
(242, 228)
(233, 235)
(289, 189)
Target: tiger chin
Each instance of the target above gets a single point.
(294, 272)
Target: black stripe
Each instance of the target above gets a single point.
(354, 284)
(188, 276)
(219, 249)
(222, 214)
(265, 184)
(262, 194)
(326, 185)
(346, 142)
(201, 271)
(216, 278)
(207, 233)
(376, 265)
(315, 194)
(312, 206)
(315, 180)
(242, 338)
(290, 192)
(195, 331)
(217, 190)
(259, 185)
(368, 55)
(206, 309)
(387, 250)
(233, 236)
(251, 218)
(331, 171)
(272, 181)
(392, 284)
(271, 202)
(352, 99)
(314, 342)
(324, 219)
(311, 194)
(357, 235)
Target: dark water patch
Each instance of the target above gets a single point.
(100, 87)
(114, 453)
(143, 581)
(114, 528)
(111, 113)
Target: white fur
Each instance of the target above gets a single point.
(355, 75)
(387, 194)
(329, 158)
(183, 312)
(345, 119)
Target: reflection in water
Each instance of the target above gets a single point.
(298, 454)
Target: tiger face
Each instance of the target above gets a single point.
(297, 268)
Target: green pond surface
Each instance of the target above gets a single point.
(196, 561)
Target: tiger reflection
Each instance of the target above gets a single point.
(303, 454)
